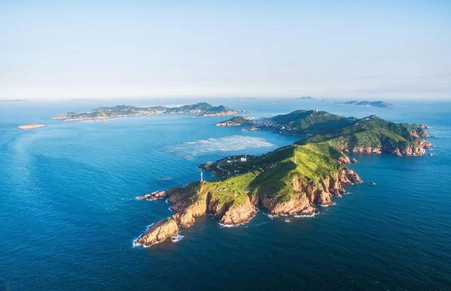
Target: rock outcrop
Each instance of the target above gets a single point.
(238, 213)
(152, 196)
(31, 126)
(158, 232)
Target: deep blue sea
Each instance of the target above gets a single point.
(68, 213)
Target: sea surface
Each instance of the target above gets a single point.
(68, 213)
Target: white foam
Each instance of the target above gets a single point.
(176, 238)
(327, 205)
(191, 149)
(271, 216)
(228, 225)
(305, 215)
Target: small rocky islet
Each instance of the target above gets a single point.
(29, 126)
(292, 180)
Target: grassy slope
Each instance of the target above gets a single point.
(271, 175)
(302, 121)
(312, 162)
(374, 132)
(239, 119)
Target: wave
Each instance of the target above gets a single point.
(305, 215)
(327, 205)
(177, 238)
(191, 149)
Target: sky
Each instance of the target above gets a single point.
(118, 49)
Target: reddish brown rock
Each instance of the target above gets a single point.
(185, 219)
(239, 213)
(153, 196)
(159, 232)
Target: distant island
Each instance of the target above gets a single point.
(380, 104)
(236, 121)
(12, 100)
(101, 113)
(30, 126)
(306, 98)
(292, 180)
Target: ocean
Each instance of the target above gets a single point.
(68, 213)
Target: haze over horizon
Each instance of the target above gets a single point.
(326, 49)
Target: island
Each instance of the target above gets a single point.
(375, 135)
(236, 121)
(380, 104)
(292, 180)
(102, 113)
(30, 126)
(298, 123)
(306, 98)
(369, 134)
(13, 100)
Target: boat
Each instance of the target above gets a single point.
(372, 183)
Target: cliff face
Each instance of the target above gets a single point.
(418, 149)
(238, 213)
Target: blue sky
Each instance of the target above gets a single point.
(106, 49)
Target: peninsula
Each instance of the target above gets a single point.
(101, 113)
(30, 126)
(292, 180)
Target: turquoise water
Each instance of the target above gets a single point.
(68, 213)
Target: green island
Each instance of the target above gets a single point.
(298, 123)
(292, 180)
(101, 113)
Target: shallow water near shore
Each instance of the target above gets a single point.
(68, 213)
